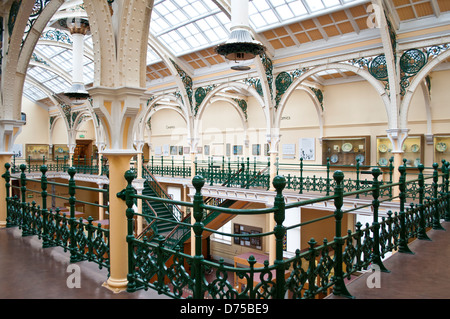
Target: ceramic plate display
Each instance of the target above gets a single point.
(334, 158)
(360, 158)
(441, 147)
(347, 147)
(383, 161)
(415, 148)
(382, 148)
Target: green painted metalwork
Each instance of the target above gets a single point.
(378, 68)
(355, 251)
(187, 82)
(82, 239)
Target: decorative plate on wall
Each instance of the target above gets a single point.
(441, 147)
(334, 158)
(382, 148)
(415, 148)
(360, 158)
(347, 147)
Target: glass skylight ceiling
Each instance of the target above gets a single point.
(185, 26)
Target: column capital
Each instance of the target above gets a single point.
(397, 137)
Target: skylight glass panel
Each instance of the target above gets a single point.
(330, 3)
(32, 92)
(315, 5)
(285, 12)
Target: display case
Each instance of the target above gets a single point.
(60, 151)
(441, 147)
(412, 150)
(346, 150)
(36, 152)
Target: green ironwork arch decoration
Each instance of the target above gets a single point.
(56, 35)
(256, 84)
(200, 94)
(282, 83)
(319, 95)
(268, 67)
(15, 6)
(378, 68)
(187, 82)
(412, 61)
(243, 105)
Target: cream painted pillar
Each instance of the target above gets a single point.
(397, 138)
(4, 158)
(138, 185)
(101, 210)
(119, 163)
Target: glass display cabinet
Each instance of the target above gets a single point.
(412, 148)
(346, 150)
(441, 147)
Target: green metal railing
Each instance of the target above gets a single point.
(300, 177)
(309, 273)
(82, 165)
(81, 238)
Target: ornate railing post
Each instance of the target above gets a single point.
(328, 177)
(376, 172)
(436, 216)
(421, 232)
(301, 176)
(446, 190)
(403, 241)
(279, 182)
(339, 288)
(7, 177)
(129, 192)
(44, 184)
(72, 221)
(198, 182)
(23, 191)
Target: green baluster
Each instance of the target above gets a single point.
(279, 183)
(72, 222)
(7, 177)
(198, 182)
(301, 176)
(339, 288)
(447, 194)
(357, 176)
(45, 213)
(247, 173)
(436, 218)
(23, 189)
(403, 241)
(391, 174)
(422, 232)
(376, 172)
(328, 177)
(129, 192)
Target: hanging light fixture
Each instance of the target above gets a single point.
(78, 28)
(240, 46)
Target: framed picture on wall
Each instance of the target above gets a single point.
(206, 147)
(307, 149)
(256, 149)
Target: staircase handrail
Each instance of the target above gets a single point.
(160, 192)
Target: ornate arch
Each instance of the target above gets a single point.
(377, 85)
(416, 82)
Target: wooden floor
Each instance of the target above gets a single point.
(27, 271)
